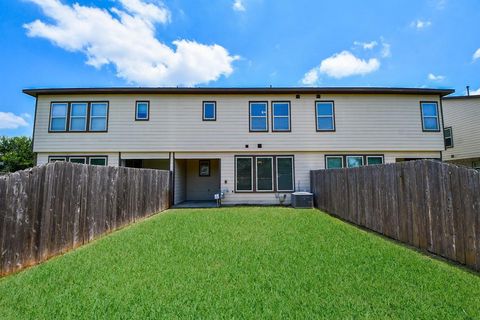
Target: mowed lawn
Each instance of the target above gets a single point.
(245, 262)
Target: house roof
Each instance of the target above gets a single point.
(258, 90)
(461, 97)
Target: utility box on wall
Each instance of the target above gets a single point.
(302, 200)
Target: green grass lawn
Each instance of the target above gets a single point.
(243, 262)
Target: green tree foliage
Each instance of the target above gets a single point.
(15, 153)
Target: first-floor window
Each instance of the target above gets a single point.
(92, 160)
(351, 161)
(264, 171)
(97, 161)
(244, 171)
(372, 160)
(334, 162)
(285, 174)
(82, 160)
(354, 161)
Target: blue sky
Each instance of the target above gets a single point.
(86, 43)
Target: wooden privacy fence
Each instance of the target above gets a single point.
(431, 205)
(52, 208)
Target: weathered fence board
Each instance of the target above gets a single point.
(52, 208)
(431, 205)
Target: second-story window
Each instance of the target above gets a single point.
(259, 116)
(98, 116)
(448, 137)
(78, 116)
(58, 117)
(325, 115)
(430, 121)
(281, 116)
(142, 110)
(209, 111)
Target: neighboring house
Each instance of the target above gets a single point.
(256, 145)
(462, 130)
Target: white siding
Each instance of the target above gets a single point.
(366, 122)
(463, 115)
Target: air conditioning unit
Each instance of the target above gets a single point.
(303, 200)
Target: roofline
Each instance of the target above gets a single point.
(231, 90)
(461, 97)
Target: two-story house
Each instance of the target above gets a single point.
(462, 130)
(256, 145)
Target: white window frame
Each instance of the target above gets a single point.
(381, 157)
(332, 116)
(251, 173)
(97, 117)
(97, 158)
(256, 174)
(260, 117)
(136, 110)
(334, 157)
(287, 116)
(437, 117)
(214, 118)
(352, 156)
(78, 117)
(78, 157)
(293, 172)
(55, 159)
(65, 117)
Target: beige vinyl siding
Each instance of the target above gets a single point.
(202, 188)
(364, 122)
(112, 158)
(180, 181)
(463, 115)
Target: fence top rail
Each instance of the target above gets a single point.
(71, 164)
(400, 164)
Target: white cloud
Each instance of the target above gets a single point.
(433, 77)
(440, 4)
(476, 55)
(9, 120)
(238, 5)
(125, 38)
(420, 24)
(311, 77)
(475, 92)
(366, 45)
(386, 51)
(345, 64)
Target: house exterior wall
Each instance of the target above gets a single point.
(377, 124)
(463, 115)
(364, 122)
(202, 188)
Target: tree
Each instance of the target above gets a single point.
(15, 153)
